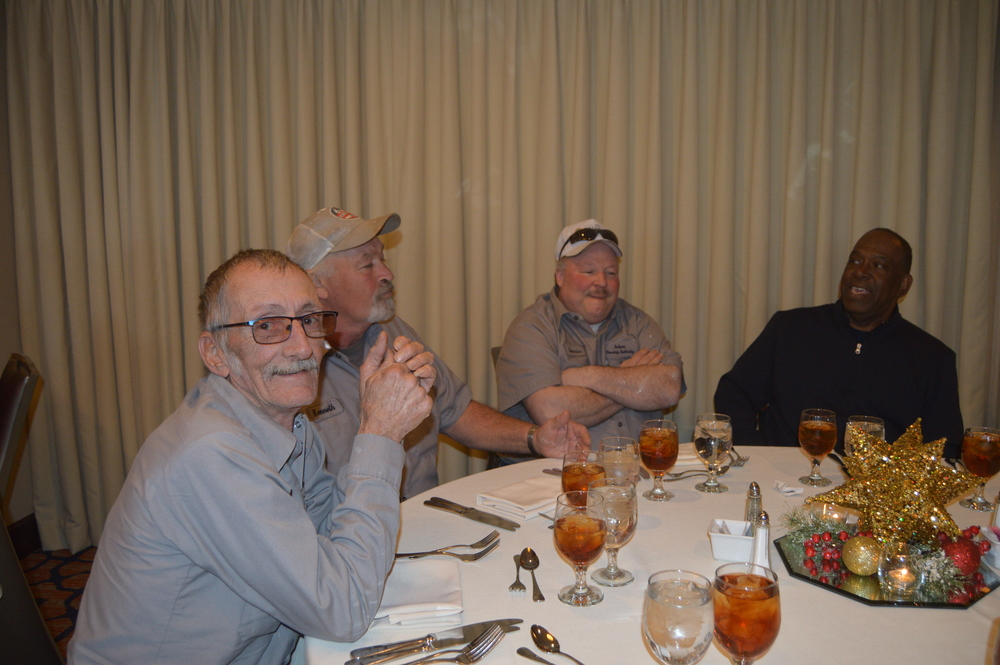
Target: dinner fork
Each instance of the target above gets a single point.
(517, 585)
(739, 460)
(478, 545)
(473, 556)
(472, 653)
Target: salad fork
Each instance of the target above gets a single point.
(478, 545)
(472, 653)
(472, 556)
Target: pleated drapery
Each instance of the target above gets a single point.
(738, 149)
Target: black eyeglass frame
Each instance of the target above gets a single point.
(287, 328)
(589, 233)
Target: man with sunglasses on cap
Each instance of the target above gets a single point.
(582, 348)
(344, 255)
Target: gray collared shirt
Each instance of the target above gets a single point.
(546, 338)
(229, 539)
(336, 413)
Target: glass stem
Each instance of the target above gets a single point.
(612, 568)
(815, 475)
(712, 471)
(581, 579)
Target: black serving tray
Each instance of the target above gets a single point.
(865, 589)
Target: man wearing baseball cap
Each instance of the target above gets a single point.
(582, 348)
(344, 255)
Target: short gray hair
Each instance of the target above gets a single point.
(213, 307)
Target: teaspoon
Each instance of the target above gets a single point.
(529, 561)
(531, 655)
(548, 643)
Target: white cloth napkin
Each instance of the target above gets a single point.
(523, 500)
(786, 489)
(421, 592)
(687, 456)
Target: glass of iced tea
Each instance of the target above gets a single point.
(580, 468)
(658, 453)
(817, 436)
(621, 457)
(677, 617)
(981, 456)
(621, 514)
(579, 533)
(747, 610)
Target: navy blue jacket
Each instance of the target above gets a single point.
(811, 358)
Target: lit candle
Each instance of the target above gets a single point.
(902, 578)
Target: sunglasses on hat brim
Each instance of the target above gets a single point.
(589, 234)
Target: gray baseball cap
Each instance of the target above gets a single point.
(334, 230)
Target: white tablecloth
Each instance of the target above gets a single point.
(818, 626)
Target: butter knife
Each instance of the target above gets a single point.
(460, 635)
(472, 513)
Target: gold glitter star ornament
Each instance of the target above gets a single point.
(901, 489)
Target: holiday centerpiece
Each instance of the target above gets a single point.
(900, 492)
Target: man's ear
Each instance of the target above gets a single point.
(904, 285)
(560, 276)
(212, 355)
(320, 288)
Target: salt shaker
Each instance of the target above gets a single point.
(761, 555)
(754, 506)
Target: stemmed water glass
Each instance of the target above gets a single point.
(658, 453)
(621, 457)
(677, 616)
(621, 513)
(981, 456)
(579, 534)
(747, 610)
(867, 424)
(713, 439)
(817, 436)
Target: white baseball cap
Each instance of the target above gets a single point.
(577, 237)
(334, 230)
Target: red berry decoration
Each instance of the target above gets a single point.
(974, 529)
(827, 536)
(816, 538)
(964, 553)
(843, 535)
(985, 546)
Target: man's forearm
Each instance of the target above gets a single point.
(584, 405)
(484, 428)
(642, 388)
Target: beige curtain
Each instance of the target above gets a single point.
(738, 148)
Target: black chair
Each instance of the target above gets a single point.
(17, 397)
(23, 635)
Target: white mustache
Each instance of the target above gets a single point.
(384, 288)
(307, 365)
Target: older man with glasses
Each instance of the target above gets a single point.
(344, 254)
(580, 347)
(229, 538)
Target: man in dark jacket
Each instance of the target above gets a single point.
(857, 356)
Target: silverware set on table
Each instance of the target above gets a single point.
(480, 638)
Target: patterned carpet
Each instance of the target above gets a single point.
(57, 580)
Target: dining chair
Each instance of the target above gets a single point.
(17, 397)
(24, 637)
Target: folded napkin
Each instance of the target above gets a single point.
(786, 489)
(523, 500)
(687, 456)
(421, 592)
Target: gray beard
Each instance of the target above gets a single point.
(383, 308)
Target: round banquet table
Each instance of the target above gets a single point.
(817, 625)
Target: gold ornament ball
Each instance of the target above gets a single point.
(861, 555)
(863, 586)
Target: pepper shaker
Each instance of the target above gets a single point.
(754, 505)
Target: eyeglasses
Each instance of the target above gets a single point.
(274, 329)
(589, 234)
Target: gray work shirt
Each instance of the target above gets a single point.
(337, 412)
(547, 338)
(229, 539)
